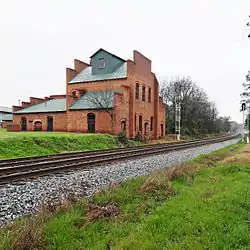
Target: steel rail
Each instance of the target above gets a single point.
(34, 159)
(34, 169)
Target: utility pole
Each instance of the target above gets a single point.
(243, 125)
(178, 120)
(248, 123)
(245, 122)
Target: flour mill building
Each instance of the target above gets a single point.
(107, 95)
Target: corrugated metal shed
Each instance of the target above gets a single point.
(95, 100)
(54, 105)
(86, 75)
(7, 117)
(5, 109)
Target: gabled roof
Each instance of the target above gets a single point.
(7, 117)
(95, 100)
(54, 105)
(108, 53)
(5, 109)
(86, 75)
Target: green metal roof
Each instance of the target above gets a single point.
(95, 100)
(54, 105)
(86, 75)
(7, 117)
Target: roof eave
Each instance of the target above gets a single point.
(42, 112)
(112, 79)
(75, 109)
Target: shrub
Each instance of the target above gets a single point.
(122, 138)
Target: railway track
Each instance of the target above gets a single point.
(32, 167)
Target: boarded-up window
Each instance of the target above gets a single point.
(137, 91)
(149, 95)
(143, 94)
(151, 123)
(140, 123)
(135, 122)
(91, 123)
(23, 124)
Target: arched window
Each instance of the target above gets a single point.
(123, 126)
(91, 123)
(74, 94)
(143, 94)
(23, 124)
(151, 123)
(135, 122)
(38, 126)
(161, 129)
(149, 95)
(137, 91)
(49, 123)
(140, 123)
(146, 128)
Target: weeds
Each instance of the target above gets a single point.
(96, 212)
(158, 188)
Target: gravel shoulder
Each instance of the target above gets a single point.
(22, 199)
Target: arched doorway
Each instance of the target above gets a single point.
(49, 123)
(140, 123)
(37, 126)
(146, 128)
(161, 129)
(123, 126)
(91, 123)
(23, 124)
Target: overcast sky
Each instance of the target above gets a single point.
(203, 39)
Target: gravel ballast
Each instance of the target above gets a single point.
(21, 199)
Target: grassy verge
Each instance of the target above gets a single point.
(203, 204)
(45, 145)
(4, 134)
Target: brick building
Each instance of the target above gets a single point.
(107, 95)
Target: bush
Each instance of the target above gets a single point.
(141, 138)
(122, 138)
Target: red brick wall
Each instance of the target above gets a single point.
(162, 116)
(6, 123)
(80, 65)
(35, 100)
(122, 104)
(78, 122)
(140, 71)
(59, 120)
(13, 128)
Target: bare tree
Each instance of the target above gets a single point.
(248, 25)
(198, 114)
(245, 95)
(104, 99)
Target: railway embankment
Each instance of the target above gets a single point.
(18, 200)
(202, 203)
(28, 144)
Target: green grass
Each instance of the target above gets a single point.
(4, 134)
(41, 143)
(204, 204)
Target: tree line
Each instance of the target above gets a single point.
(199, 115)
